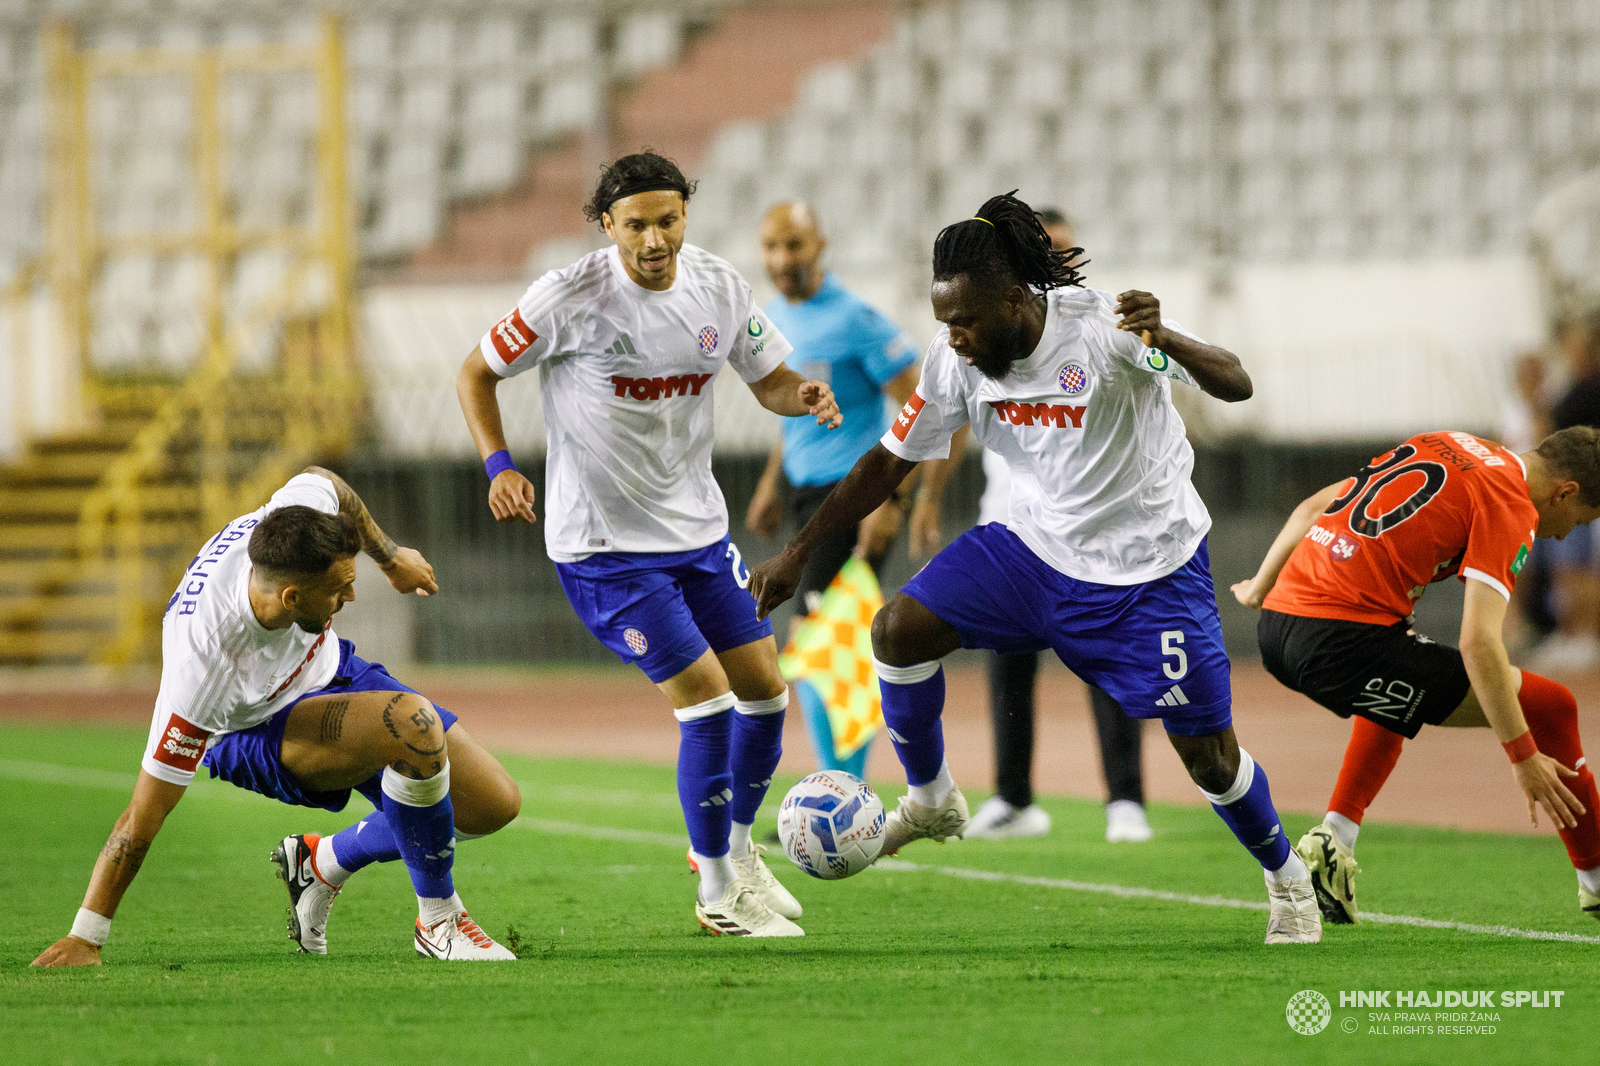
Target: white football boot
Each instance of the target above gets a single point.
(458, 939)
(751, 868)
(310, 897)
(741, 912)
(1126, 823)
(913, 821)
(1588, 902)
(1294, 917)
(996, 819)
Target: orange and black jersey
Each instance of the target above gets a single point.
(1441, 504)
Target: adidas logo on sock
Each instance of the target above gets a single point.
(719, 799)
(1173, 698)
(623, 346)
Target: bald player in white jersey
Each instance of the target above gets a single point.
(1103, 559)
(256, 685)
(627, 343)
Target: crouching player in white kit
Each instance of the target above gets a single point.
(627, 342)
(255, 683)
(1105, 558)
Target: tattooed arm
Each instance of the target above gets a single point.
(153, 799)
(405, 568)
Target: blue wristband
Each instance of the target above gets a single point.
(498, 463)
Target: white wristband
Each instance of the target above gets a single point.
(88, 925)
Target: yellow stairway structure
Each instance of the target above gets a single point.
(98, 524)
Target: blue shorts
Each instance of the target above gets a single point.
(1156, 648)
(661, 611)
(251, 758)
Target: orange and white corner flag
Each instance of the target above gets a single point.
(832, 650)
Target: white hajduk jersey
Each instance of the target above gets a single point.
(221, 670)
(625, 374)
(1099, 460)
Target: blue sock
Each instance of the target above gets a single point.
(913, 698)
(368, 841)
(705, 779)
(423, 824)
(817, 727)
(1248, 810)
(757, 746)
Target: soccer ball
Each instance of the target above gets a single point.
(831, 825)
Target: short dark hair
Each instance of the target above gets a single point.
(1574, 453)
(299, 541)
(1004, 244)
(644, 171)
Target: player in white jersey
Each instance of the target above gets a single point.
(627, 342)
(1104, 557)
(255, 683)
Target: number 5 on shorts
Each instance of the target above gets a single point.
(1170, 648)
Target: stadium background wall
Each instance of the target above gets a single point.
(500, 600)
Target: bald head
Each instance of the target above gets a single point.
(791, 248)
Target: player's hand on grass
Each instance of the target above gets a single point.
(69, 951)
(774, 581)
(1141, 314)
(511, 497)
(1248, 594)
(818, 398)
(925, 534)
(766, 512)
(409, 572)
(1539, 776)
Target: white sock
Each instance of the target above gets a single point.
(715, 877)
(739, 841)
(934, 792)
(1343, 828)
(1293, 870)
(327, 865)
(434, 911)
(1590, 879)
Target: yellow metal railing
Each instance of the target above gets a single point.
(312, 392)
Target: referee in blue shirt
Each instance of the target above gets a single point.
(840, 339)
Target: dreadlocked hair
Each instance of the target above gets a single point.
(1003, 245)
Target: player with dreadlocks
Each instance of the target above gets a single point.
(1104, 559)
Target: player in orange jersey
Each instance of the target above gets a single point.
(1336, 591)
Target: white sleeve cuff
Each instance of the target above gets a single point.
(162, 772)
(490, 356)
(1479, 575)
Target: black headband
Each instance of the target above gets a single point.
(639, 185)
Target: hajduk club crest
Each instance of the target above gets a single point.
(708, 339)
(1072, 378)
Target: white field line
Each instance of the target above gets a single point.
(49, 773)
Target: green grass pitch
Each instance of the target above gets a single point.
(909, 965)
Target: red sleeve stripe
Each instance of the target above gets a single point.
(181, 745)
(511, 337)
(908, 416)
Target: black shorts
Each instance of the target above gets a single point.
(1386, 674)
